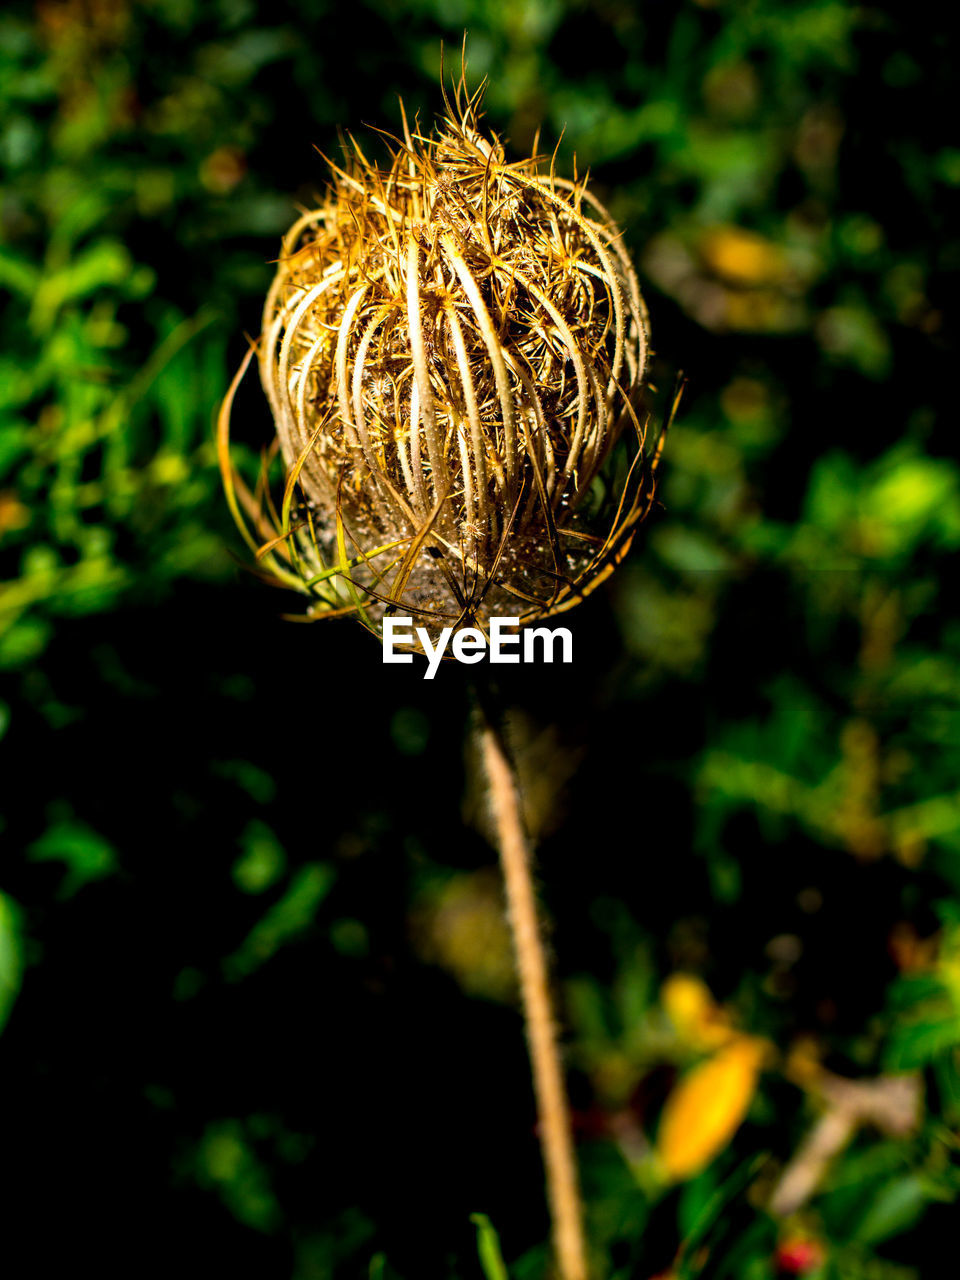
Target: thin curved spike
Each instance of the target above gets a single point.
(493, 347)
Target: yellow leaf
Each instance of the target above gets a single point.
(743, 257)
(13, 514)
(707, 1107)
(697, 1018)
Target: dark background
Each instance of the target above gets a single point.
(261, 1018)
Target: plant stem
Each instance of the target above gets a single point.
(553, 1110)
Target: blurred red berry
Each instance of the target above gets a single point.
(799, 1256)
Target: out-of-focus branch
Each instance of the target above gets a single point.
(888, 1103)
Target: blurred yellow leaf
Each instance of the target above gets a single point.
(707, 1107)
(696, 1017)
(743, 257)
(461, 926)
(13, 514)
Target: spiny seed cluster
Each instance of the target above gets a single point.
(451, 348)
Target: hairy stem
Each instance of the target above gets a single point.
(552, 1108)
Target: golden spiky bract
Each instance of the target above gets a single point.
(451, 348)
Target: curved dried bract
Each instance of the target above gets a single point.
(452, 348)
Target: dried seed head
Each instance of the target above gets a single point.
(452, 347)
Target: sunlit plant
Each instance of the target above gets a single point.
(453, 348)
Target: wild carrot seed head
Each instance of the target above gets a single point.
(452, 346)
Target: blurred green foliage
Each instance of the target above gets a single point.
(253, 962)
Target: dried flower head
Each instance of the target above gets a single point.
(452, 348)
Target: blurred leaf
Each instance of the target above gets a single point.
(488, 1248)
(227, 1162)
(86, 855)
(16, 275)
(894, 1209)
(460, 924)
(105, 263)
(263, 862)
(698, 1019)
(285, 920)
(11, 956)
(706, 1108)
